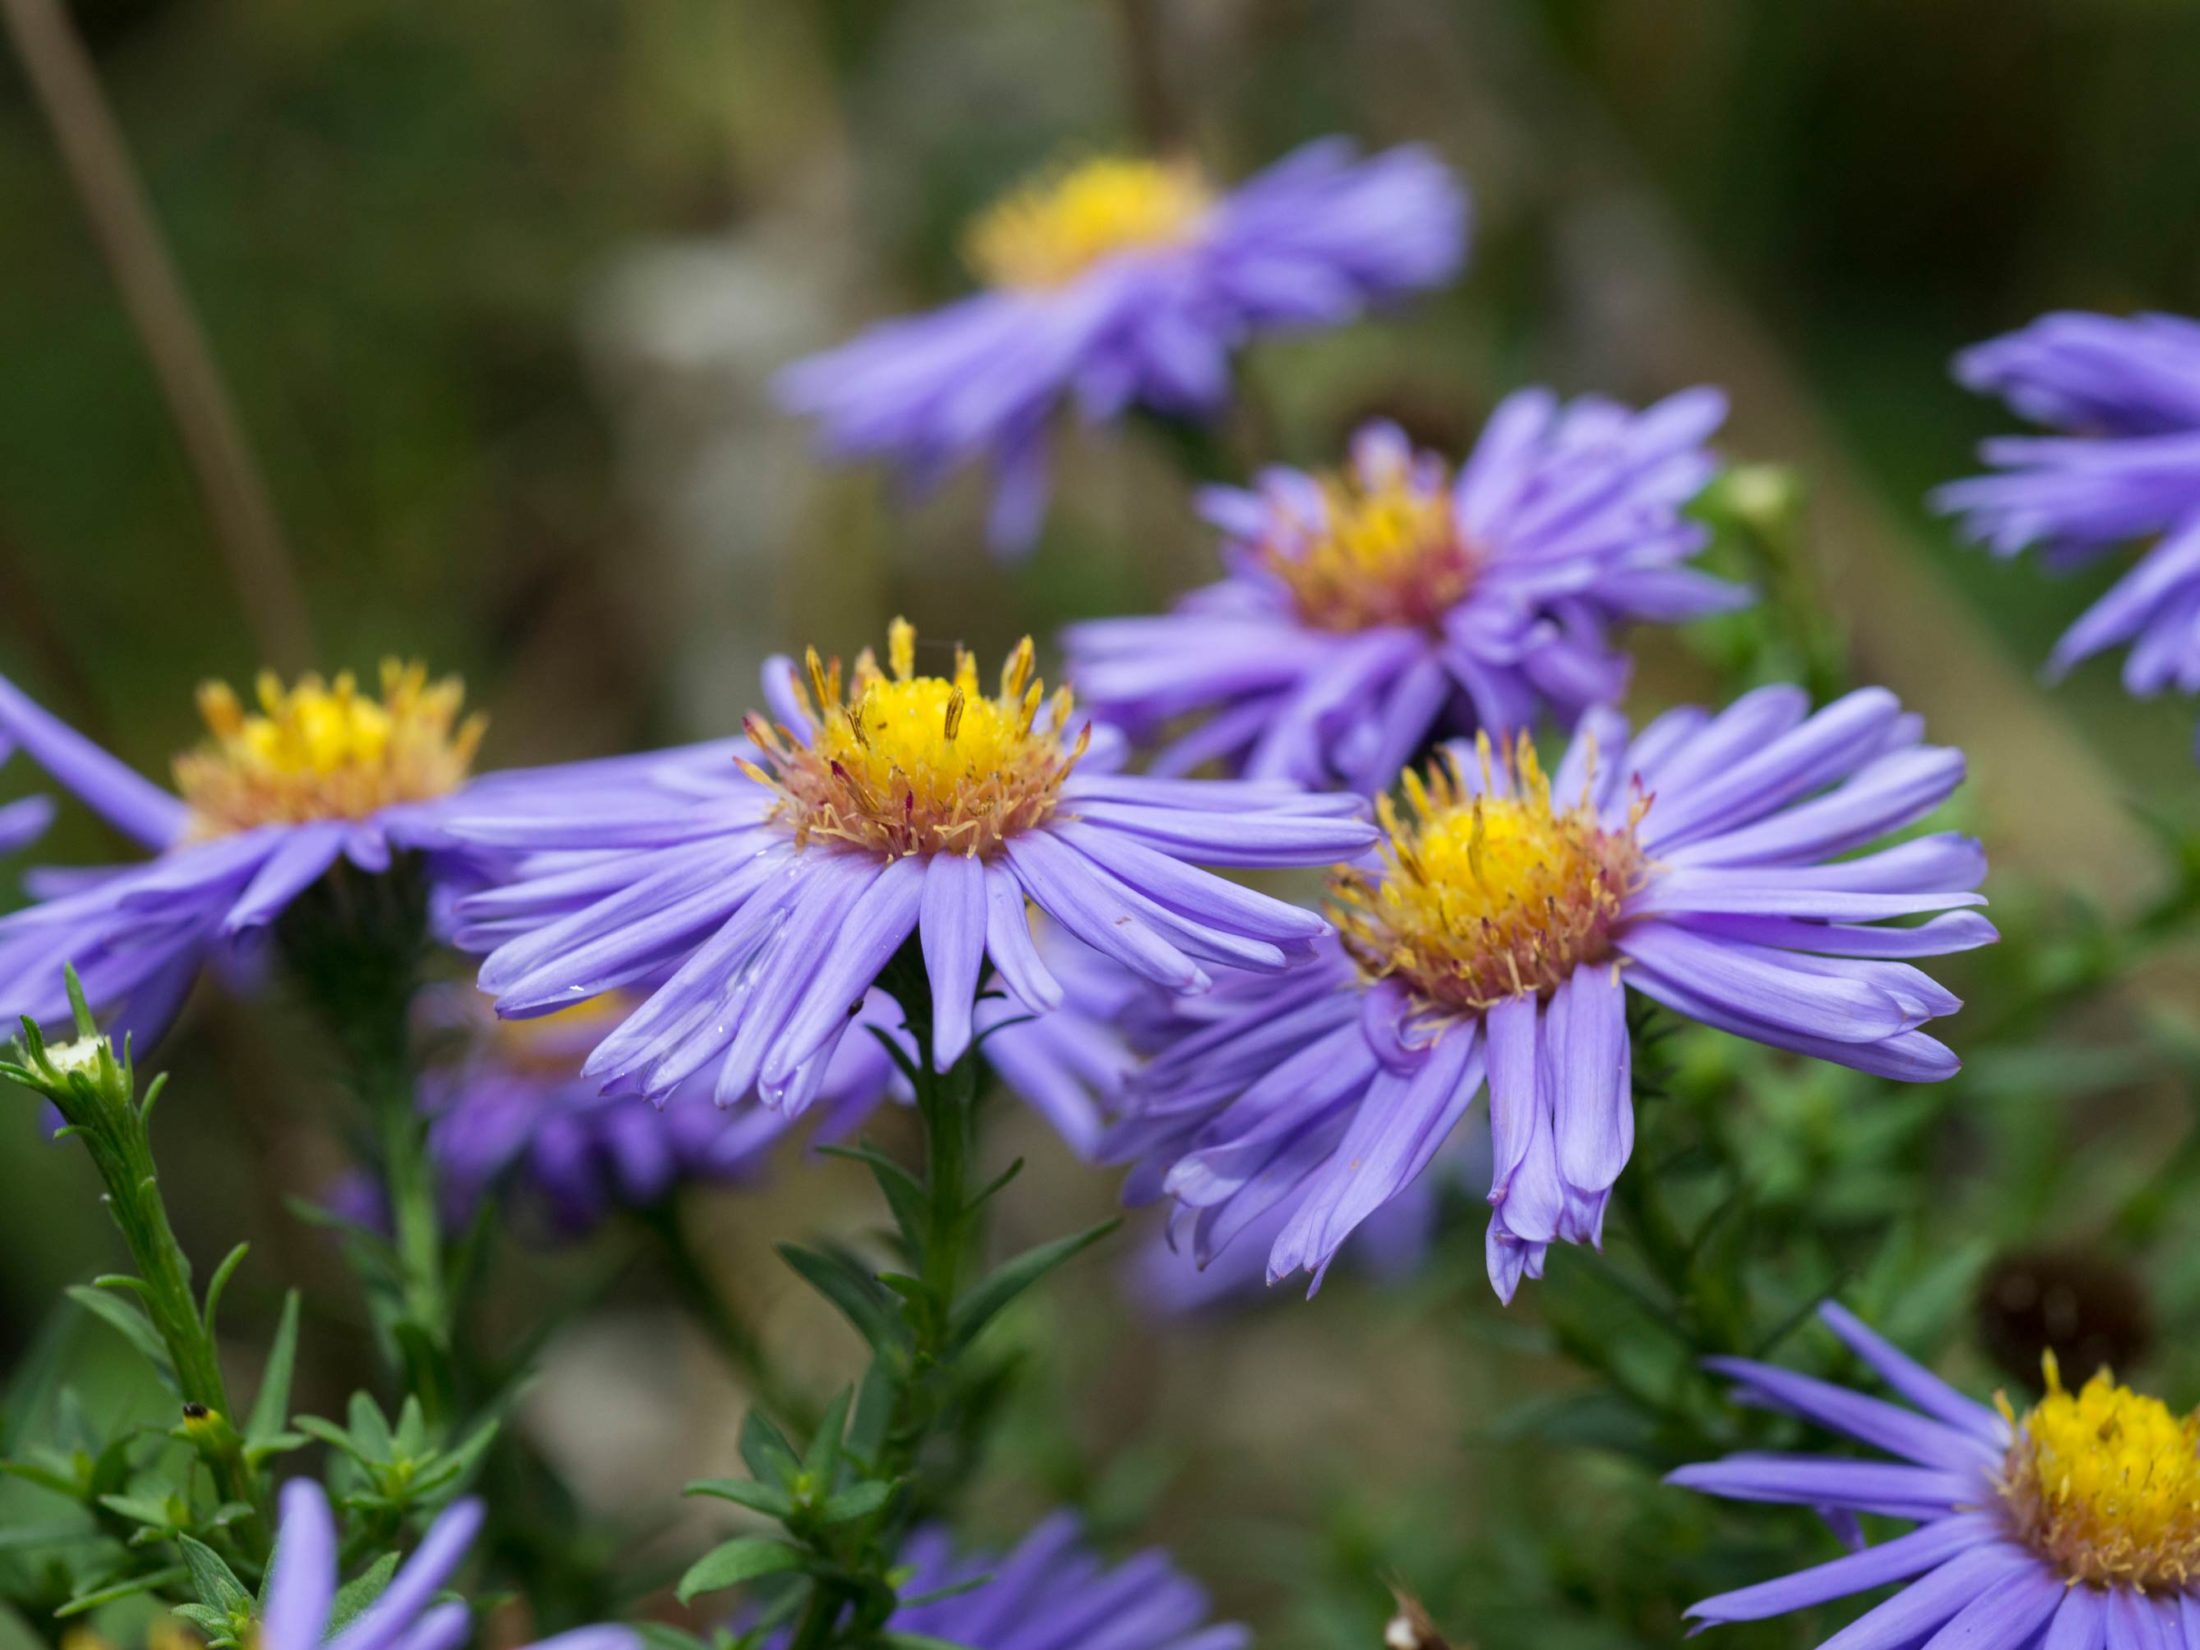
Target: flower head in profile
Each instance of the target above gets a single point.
(410, 1612)
(1051, 1592)
(753, 900)
(2123, 393)
(1366, 614)
(1711, 864)
(315, 774)
(2076, 1523)
(1122, 283)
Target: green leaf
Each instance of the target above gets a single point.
(874, 1412)
(271, 1405)
(822, 1463)
(983, 1304)
(220, 1282)
(133, 1324)
(921, 1641)
(766, 1450)
(129, 1587)
(856, 1501)
(355, 1595)
(903, 1192)
(841, 1280)
(217, 1587)
(736, 1562)
(767, 1499)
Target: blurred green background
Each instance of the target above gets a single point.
(499, 287)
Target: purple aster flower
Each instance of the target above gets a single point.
(273, 799)
(301, 1592)
(2127, 393)
(1052, 1592)
(25, 820)
(513, 1110)
(1712, 864)
(1127, 283)
(1366, 614)
(767, 899)
(2076, 1525)
(1169, 1280)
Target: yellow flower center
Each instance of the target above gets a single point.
(1483, 897)
(1051, 231)
(2104, 1483)
(1385, 551)
(911, 764)
(324, 750)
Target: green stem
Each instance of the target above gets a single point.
(100, 1104)
(736, 1342)
(416, 1220)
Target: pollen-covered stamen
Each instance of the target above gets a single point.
(324, 750)
(1485, 896)
(2104, 1483)
(1052, 230)
(1383, 549)
(909, 764)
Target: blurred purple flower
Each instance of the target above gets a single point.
(1121, 284)
(1368, 614)
(2127, 393)
(1051, 1592)
(905, 807)
(320, 775)
(408, 1614)
(514, 1113)
(1706, 864)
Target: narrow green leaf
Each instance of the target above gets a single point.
(921, 1641)
(736, 1562)
(220, 1282)
(856, 1501)
(355, 1595)
(772, 1502)
(766, 1450)
(133, 1325)
(984, 1303)
(858, 1295)
(822, 1463)
(271, 1405)
(217, 1587)
(107, 1593)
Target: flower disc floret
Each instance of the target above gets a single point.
(1484, 896)
(2104, 1483)
(1051, 230)
(1383, 549)
(323, 750)
(904, 764)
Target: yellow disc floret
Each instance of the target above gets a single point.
(908, 764)
(324, 750)
(1485, 896)
(2104, 1483)
(1384, 551)
(1051, 231)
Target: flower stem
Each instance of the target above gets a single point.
(96, 1094)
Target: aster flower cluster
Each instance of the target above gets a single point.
(1341, 897)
